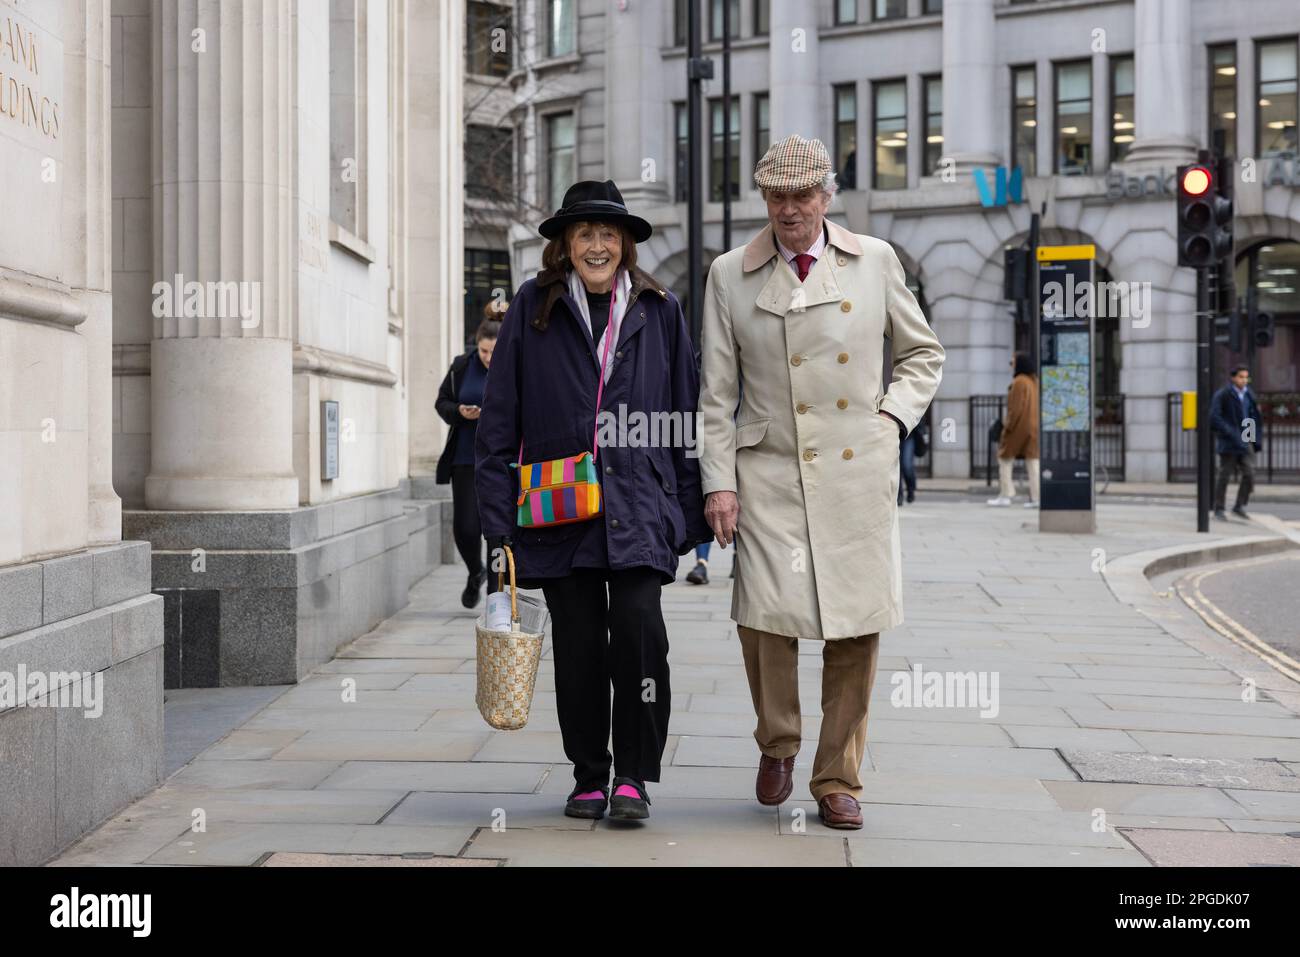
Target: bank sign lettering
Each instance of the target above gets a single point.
(1282, 171)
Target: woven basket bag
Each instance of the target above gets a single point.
(507, 666)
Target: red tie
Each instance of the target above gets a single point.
(804, 262)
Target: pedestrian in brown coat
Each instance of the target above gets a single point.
(1019, 433)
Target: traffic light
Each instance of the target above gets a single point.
(1261, 329)
(1229, 328)
(1204, 217)
(1015, 273)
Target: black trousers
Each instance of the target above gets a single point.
(465, 527)
(1229, 464)
(607, 629)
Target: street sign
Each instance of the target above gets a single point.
(329, 440)
(1065, 296)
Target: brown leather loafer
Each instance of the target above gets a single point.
(775, 780)
(840, 811)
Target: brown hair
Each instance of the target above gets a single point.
(488, 329)
(555, 255)
(495, 308)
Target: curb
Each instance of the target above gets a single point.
(1128, 578)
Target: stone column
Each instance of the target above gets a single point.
(970, 101)
(436, 270)
(1162, 74)
(225, 248)
(88, 222)
(795, 95)
(634, 102)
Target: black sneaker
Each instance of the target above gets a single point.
(590, 808)
(1220, 514)
(911, 496)
(470, 596)
(699, 575)
(628, 808)
(1240, 510)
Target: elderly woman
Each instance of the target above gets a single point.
(593, 332)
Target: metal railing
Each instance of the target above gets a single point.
(1279, 433)
(1108, 436)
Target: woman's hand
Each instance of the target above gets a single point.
(721, 511)
(470, 412)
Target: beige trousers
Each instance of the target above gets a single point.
(1007, 485)
(848, 671)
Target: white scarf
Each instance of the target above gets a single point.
(623, 288)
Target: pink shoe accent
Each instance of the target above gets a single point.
(627, 791)
(590, 796)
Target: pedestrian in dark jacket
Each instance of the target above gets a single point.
(1235, 418)
(591, 306)
(459, 401)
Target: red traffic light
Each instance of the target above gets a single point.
(1196, 181)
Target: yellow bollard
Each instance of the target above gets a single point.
(1189, 411)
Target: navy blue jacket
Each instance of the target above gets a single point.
(447, 405)
(1227, 413)
(542, 385)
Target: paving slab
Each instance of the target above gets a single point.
(876, 852)
(1204, 772)
(1209, 849)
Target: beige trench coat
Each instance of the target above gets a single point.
(814, 465)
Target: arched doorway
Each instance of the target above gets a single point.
(1271, 268)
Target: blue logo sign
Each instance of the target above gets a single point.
(1005, 190)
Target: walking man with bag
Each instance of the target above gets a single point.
(805, 478)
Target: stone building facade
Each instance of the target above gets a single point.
(1095, 101)
(230, 285)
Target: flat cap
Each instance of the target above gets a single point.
(793, 164)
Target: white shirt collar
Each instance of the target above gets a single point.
(815, 250)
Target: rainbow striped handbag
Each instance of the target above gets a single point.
(564, 490)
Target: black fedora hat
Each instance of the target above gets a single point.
(591, 202)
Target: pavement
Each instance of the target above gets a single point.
(1126, 733)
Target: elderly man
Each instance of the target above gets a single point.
(800, 466)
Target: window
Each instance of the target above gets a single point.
(561, 157)
(1121, 106)
(762, 125)
(715, 20)
(888, 9)
(561, 28)
(846, 134)
(1272, 268)
(1074, 118)
(1024, 120)
(488, 161)
(1223, 94)
(846, 11)
(890, 128)
(715, 149)
(1275, 131)
(932, 93)
(681, 20)
(681, 152)
(487, 272)
(487, 34)
(933, 6)
(762, 17)
(348, 116)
